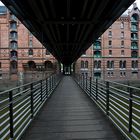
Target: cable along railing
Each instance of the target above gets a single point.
(120, 102)
(18, 106)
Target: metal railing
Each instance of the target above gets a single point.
(18, 106)
(121, 103)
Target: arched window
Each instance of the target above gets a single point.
(99, 64)
(121, 64)
(112, 64)
(48, 64)
(108, 64)
(31, 64)
(124, 64)
(134, 64)
(82, 64)
(86, 64)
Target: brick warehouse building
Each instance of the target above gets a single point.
(20, 52)
(116, 54)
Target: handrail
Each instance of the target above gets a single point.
(19, 105)
(120, 102)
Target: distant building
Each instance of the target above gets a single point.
(20, 52)
(116, 54)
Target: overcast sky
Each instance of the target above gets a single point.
(137, 1)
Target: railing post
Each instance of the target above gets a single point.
(52, 81)
(107, 98)
(86, 82)
(80, 79)
(11, 114)
(96, 89)
(83, 82)
(41, 96)
(130, 109)
(32, 102)
(90, 82)
(50, 84)
(47, 88)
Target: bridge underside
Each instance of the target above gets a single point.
(67, 27)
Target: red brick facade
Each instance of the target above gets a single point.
(20, 51)
(116, 54)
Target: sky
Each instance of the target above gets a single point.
(137, 1)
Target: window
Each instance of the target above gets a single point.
(48, 64)
(134, 64)
(97, 64)
(134, 54)
(110, 34)
(13, 25)
(134, 27)
(30, 51)
(122, 52)
(82, 64)
(134, 18)
(86, 64)
(0, 65)
(109, 42)
(122, 25)
(110, 64)
(122, 34)
(13, 35)
(13, 45)
(47, 52)
(122, 43)
(134, 36)
(110, 52)
(97, 53)
(108, 74)
(31, 64)
(30, 43)
(122, 64)
(13, 53)
(13, 67)
(112, 74)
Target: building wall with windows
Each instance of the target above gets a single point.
(116, 54)
(20, 51)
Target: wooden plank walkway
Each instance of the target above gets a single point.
(71, 115)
